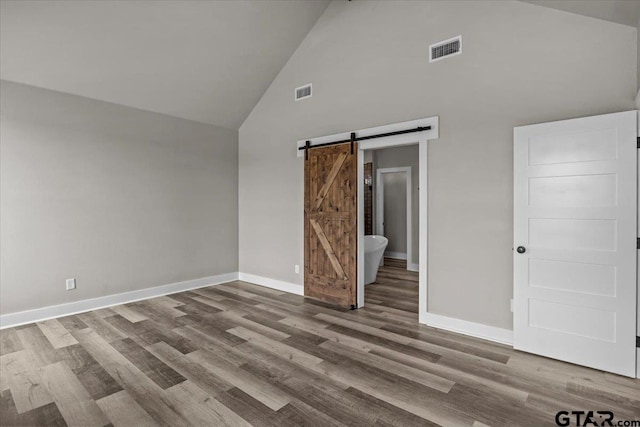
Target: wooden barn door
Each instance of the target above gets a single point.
(330, 224)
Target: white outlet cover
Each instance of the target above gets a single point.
(296, 268)
(71, 284)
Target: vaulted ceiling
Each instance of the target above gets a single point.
(208, 61)
(626, 12)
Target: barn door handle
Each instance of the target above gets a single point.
(521, 249)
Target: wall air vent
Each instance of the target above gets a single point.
(303, 92)
(445, 49)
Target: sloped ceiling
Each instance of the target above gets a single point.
(208, 61)
(626, 12)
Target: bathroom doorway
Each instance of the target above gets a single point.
(395, 198)
(391, 261)
(413, 132)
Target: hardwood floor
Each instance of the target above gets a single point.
(395, 289)
(239, 354)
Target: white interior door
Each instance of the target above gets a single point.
(575, 185)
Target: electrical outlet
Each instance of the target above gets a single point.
(296, 268)
(71, 284)
(511, 303)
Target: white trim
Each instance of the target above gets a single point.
(67, 309)
(272, 283)
(477, 330)
(413, 267)
(295, 92)
(395, 255)
(459, 38)
(390, 141)
(360, 246)
(422, 139)
(380, 208)
(423, 229)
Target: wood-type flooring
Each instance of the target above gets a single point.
(240, 354)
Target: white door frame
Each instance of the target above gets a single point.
(420, 138)
(406, 170)
(638, 236)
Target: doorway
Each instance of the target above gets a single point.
(399, 140)
(394, 212)
(393, 135)
(396, 287)
(419, 141)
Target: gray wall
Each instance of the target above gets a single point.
(368, 62)
(399, 157)
(119, 198)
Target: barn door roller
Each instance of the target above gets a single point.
(307, 146)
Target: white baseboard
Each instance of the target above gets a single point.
(413, 267)
(395, 255)
(272, 283)
(477, 330)
(53, 311)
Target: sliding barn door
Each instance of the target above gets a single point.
(330, 224)
(575, 241)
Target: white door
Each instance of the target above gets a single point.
(575, 189)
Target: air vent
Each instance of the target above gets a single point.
(303, 92)
(445, 49)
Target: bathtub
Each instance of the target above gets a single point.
(374, 247)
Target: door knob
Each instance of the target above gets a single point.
(521, 249)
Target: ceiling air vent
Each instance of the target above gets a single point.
(303, 92)
(445, 49)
